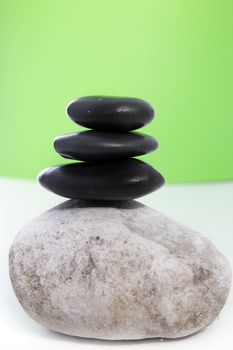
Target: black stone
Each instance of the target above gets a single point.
(110, 113)
(96, 146)
(121, 180)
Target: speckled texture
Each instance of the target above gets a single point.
(117, 271)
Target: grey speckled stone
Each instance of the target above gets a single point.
(123, 271)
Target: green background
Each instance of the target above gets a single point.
(176, 54)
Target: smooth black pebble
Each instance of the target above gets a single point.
(110, 113)
(101, 146)
(121, 180)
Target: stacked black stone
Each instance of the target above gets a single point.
(107, 172)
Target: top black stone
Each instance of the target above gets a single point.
(110, 113)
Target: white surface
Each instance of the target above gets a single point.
(206, 208)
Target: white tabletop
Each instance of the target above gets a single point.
(208, 208)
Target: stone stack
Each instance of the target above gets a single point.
(107, 170)
(101, 265)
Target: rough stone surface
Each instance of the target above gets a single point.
(120, 271)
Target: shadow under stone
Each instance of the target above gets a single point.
(82, 203)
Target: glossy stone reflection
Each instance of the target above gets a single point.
(101, 146)
(110, 113)
(107, 172)
(121, 180)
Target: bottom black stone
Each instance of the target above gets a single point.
(121, 180)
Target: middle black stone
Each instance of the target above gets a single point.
(102, 146)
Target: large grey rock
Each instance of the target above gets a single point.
(120, 271)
